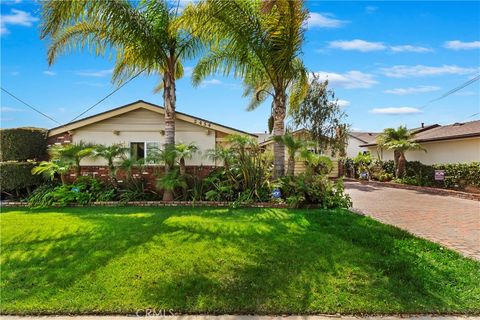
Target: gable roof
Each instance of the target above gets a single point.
(439, 133)
(365, 137)
(140, 104)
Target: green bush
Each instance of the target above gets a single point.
(303, 190)
(21, 144)
(84, 191)
(17, 176)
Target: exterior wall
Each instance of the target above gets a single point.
(353, 147)
(144, 126)
(439, 152)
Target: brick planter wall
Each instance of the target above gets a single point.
(437, 191)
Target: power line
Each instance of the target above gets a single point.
(28, 105)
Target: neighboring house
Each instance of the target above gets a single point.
(454, 143)
(140, 126)
(356, 140)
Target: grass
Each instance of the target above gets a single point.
(200, 260)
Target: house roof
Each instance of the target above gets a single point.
(140, 104)
(459, 130)
(365, 137)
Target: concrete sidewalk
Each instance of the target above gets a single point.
(242, 317)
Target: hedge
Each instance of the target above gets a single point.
(22, 144)
(18, 175)
(457, 176)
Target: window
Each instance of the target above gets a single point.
(144, 151)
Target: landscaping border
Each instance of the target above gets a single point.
(436, 191)
(9, 204)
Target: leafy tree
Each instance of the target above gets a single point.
(185, 151)
(110, 154)
(293, 146)
(399, 140)
(320, 114)
(144, 37)
(260, 42)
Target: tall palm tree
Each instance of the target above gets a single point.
(293, 146)
(185, 151)
(399, 140)
(260, 42)
(144, 36)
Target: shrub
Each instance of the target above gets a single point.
(304, 190)
(21, 144)
(84, 191)
(17, 176)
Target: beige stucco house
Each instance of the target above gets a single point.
(140, 126)
(454, 143)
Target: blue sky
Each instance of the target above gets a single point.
(384, 59)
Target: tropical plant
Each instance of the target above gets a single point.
(170, 182)
(185, 151)
(129, 164)
(112, 154)
(221, 154)
(72, 153)
(293, 146)
(259, 41)
(362, 163)
(54, 168)
(399, 140)
(316, 164)
(143, 34)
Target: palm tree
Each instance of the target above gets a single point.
(110, 154)
(399, 140)
(51, 169)
(293, 146)
(72, 153)
(185, 151)
(260, 42)
(143, 34)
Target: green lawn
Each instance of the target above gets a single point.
(200, 260)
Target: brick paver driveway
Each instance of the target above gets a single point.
(450, 221)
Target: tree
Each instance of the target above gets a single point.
(52, 169)
(260, 42)
(321, 115)
(110, 154)
(143, 35)
(293, 146)
(185, 151)
(72, 153)
(399, 140)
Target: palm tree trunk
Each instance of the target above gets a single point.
(169, 101)
(279, 111)
(291, 166)
(396, 156)
(402, 162)
(183, 169)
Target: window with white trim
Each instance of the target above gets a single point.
(144, 151)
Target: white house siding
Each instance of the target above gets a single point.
(353, 147)
(439, 152)
(144, 125)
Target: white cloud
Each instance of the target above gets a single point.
(324, 20)
(412, 90)
(49, 73)
(410, 48)
(210, 82)
(343, 103)
(367, 46)
(9, 109)
(395, 111)
(460, 45)
(370, 9)
(97, 74)
(15, 18)
(402, 71)
(349, 80)
(357, 45)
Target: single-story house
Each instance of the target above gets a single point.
(454, 143)
(140, 126)
(355, 141)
